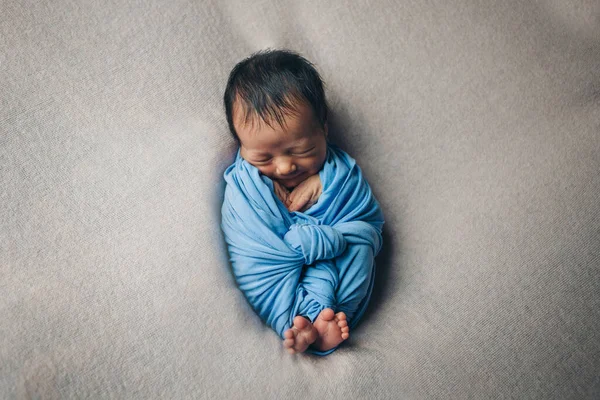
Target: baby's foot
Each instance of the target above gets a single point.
(300, 336)
(333, 329)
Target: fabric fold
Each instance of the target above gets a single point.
(315, 242)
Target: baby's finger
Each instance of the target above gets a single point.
(298, 202)
(283, 195)
(281, 192)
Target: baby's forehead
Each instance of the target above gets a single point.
(297, 118)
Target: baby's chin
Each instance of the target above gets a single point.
(292, 183)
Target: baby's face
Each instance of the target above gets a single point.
(287, 154)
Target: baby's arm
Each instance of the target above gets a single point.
(305, 194)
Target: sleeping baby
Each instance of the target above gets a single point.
(301, 224)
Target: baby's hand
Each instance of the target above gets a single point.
(305, 194)
(281, 192)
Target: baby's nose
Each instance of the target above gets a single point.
(285, 167)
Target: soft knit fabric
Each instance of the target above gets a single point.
(299, 263)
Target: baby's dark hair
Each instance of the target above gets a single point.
(270, 83)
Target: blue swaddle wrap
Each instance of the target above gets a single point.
(289, 264)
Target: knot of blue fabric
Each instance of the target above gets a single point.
(315, 242)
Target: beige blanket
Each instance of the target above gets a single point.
(476, 123)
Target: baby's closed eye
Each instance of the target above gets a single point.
(304, 152)
(260, 159)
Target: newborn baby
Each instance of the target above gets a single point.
(301, 224)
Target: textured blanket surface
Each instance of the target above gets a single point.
(299, 263)
(476, 123)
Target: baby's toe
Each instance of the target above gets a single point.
(345, 329)
(343, 323)
(327, 314)
(300, 322)
(287, 343)
(345, 335)
(289, 334)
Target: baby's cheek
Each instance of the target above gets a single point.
(317, 165)
(266, 171)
